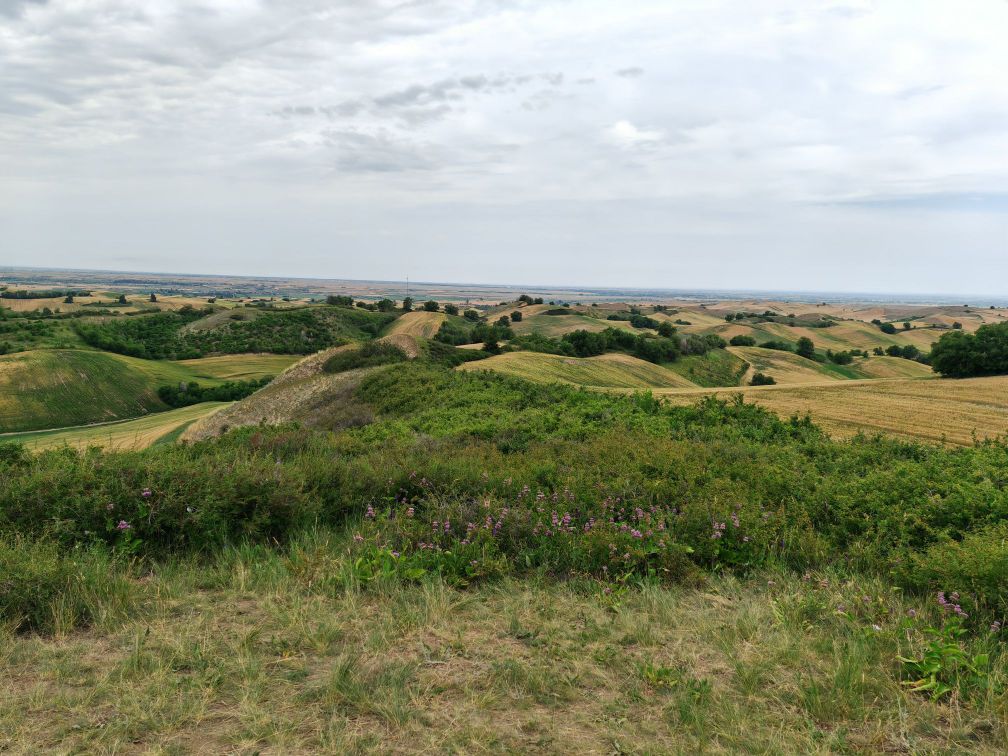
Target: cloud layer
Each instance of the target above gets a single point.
(817, 145)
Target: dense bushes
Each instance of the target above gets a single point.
(295, 331)
(183, 395)
(959, 354)
(544, 478)
(742, 341)
(369, 354)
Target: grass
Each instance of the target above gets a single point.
(418, 323)
(243, 367)
(950, 410)
(281, 650)
(124, 435)
(535, 320)
(44, 389)
(615, 370)
(718, 367)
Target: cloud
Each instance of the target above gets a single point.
(818, 114)
(626, 134)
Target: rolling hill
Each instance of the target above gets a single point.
(58, 388)
(607, 370)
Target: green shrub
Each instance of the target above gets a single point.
(44, 589)
(762, 379)
(742, 341)
(368, 354)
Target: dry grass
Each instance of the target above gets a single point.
(128, 435)
(615, 370)
(420, 324)
(275, 652)
(785, 367)
(242, 367)
(931, 409)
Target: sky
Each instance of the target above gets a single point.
(820, 146)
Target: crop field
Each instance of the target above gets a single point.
(610, 370)
(555, 326)
(931, 409)
(125, 435)
(57, 388)
(419, 323)
(243, 367)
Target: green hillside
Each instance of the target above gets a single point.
(60, 388)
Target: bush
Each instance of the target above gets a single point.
(959, 354)
(431, 306)
(339, 300)
(805, 348)
(192, 393)
(780, 346)
(44, 589)
(369, 354)
(742, 341)
(451, 309)
(761, 379)
(887, 328)
(472, 315)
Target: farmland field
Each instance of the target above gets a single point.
(928, 409)
(616, 370)
(125, 435)
(65, 387)
(418, 323)
(232, 367)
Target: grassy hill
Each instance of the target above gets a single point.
(610, 370)
(419, 323)
(719, 367)
(124, 435)
(536, 319)
(59, 388)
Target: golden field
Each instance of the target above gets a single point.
(934, 409)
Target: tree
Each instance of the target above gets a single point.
(907, 326)
(516, 316)
(491, 345)
(407, 304)
(730, 317)
(431, 306)
(887, 328)
(68, 299)
(503, 321)
(762, 379)
(666, 329)
(386, 305)
(805, 348)
(472, 315)
(122, 299)
(339, 300)
(451, 309)
(153, 297)
(957, 325)
(742, 341)
(878, 351)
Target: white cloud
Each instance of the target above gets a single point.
(840, 121)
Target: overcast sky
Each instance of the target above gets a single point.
(859, 146)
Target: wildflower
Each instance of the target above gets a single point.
(123, 525)
(912, 613)
(636, 534)
(395, 554)
(735, 519)
(409, 511)
(877, 628)
(358, 538)
(146, 493)
(370, 513)
(110, 507)
(996, 626)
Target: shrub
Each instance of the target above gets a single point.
(761, 379)
(742, 341)
(451, 309)
(516, 316)
(339, 300)
(472, 315)
(369, 354)
(959, 354)
(887, 328)
(805, 348)
(780, 346)
(431, 306)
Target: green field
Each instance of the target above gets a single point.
(124, 435)
(60, 388)
(611, 370)
(718, 367)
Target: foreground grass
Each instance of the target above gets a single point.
(282, 650)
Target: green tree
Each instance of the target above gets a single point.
(516, 316)
(472, 315)
(153, 297)
(407, 304)
(805, 348)
(431, 306)
(451, 309)
(386, 305)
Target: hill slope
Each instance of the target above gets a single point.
(609, 370)
(59, 388)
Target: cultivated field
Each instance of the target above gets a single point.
(239, 367)
(58, 388)
(615, 370)
(126, 435)
(418, 323)
(930, 409)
